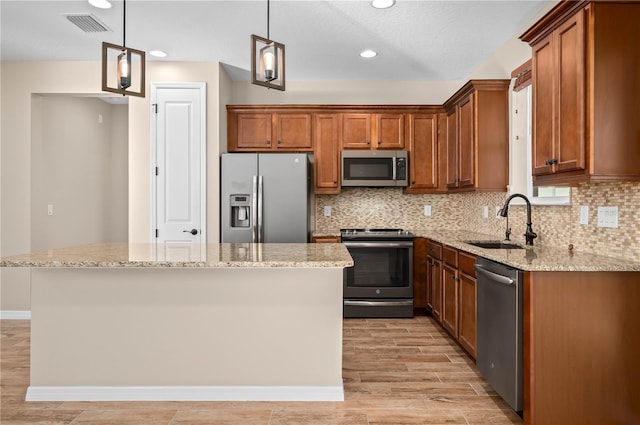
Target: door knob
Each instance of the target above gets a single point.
(192, 231)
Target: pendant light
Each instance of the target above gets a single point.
(267, 60)
(123, 68)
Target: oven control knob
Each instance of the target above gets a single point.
(378, 291)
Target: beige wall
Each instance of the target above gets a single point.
(140, 148)
(21, 80)
(78, 165)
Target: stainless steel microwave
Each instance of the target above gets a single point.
(374, 168)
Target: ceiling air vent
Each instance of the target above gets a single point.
(87, 22)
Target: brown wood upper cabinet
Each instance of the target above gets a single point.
(585, 99)
(423, 152)
(327, 153)
(373, 131)
(477, 137)
(255, 130)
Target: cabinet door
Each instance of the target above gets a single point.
(327, 154)
(420, 287)
(450, 300)
(544, 77)
(423, 151)
(356, 131)
(466, 143)
(253, 131)
(389, 131)
(452, 148)
(467, 328)
(570, 147)
(436, 290)
(293, 131)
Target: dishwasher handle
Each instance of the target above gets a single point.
(494, 276)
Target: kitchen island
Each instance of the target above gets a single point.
(186, 322)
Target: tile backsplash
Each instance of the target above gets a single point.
(555, 225)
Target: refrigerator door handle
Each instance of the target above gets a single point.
(254, 209)
(260, 205)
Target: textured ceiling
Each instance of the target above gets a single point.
(415, 40)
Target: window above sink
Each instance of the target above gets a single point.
(520, 151)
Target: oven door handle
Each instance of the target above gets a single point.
(389, 244)
(364, 303)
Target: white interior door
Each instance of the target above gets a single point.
(179, 162)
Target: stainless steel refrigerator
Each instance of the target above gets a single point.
(266, 197)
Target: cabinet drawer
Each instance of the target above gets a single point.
(435, 250)
(325, 239)
(466, 262)
(450, 256)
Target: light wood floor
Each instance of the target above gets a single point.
(396, 371)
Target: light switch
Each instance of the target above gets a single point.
(427, 210)
(608, 217)
(485, 211)
(49, 209)
(327, 211)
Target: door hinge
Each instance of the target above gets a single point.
(155, 107)
(157, 233)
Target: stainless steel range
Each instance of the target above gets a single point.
(380, 284)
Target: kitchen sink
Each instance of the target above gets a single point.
(494, 244)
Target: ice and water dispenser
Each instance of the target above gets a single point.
(240, 210)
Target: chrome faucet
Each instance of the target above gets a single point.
(529, 234)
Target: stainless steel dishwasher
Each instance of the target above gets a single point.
(499, 329)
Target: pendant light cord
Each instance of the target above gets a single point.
(268, 38)
(124, 23)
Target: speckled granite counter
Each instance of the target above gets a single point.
(113, 255)
(536, 258)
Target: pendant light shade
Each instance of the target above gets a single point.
(267, 61)
(123, 68)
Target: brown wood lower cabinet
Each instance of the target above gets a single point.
(452, 296)
(467, 302)
(434, 278)
(581, 347)
(421, 289)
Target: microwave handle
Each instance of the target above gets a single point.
(395, 160)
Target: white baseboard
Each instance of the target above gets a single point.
(195, 393)
(15, 315)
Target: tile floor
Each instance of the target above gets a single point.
(396, 371)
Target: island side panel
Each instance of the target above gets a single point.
(186, 327)
(585, 347)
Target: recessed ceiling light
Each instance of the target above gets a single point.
(102, 4)
(383, 4)
(368, 54)
(158, 53)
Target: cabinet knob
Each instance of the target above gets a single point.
(368, 142)
(279, 142)
(413, 182)
(268, 142)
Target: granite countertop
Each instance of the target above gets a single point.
(535, 258)
(113, 255)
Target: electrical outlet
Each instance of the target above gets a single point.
(584, 214)
(427, 210)
(485, 211)
(327, 211)
(608, 217)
